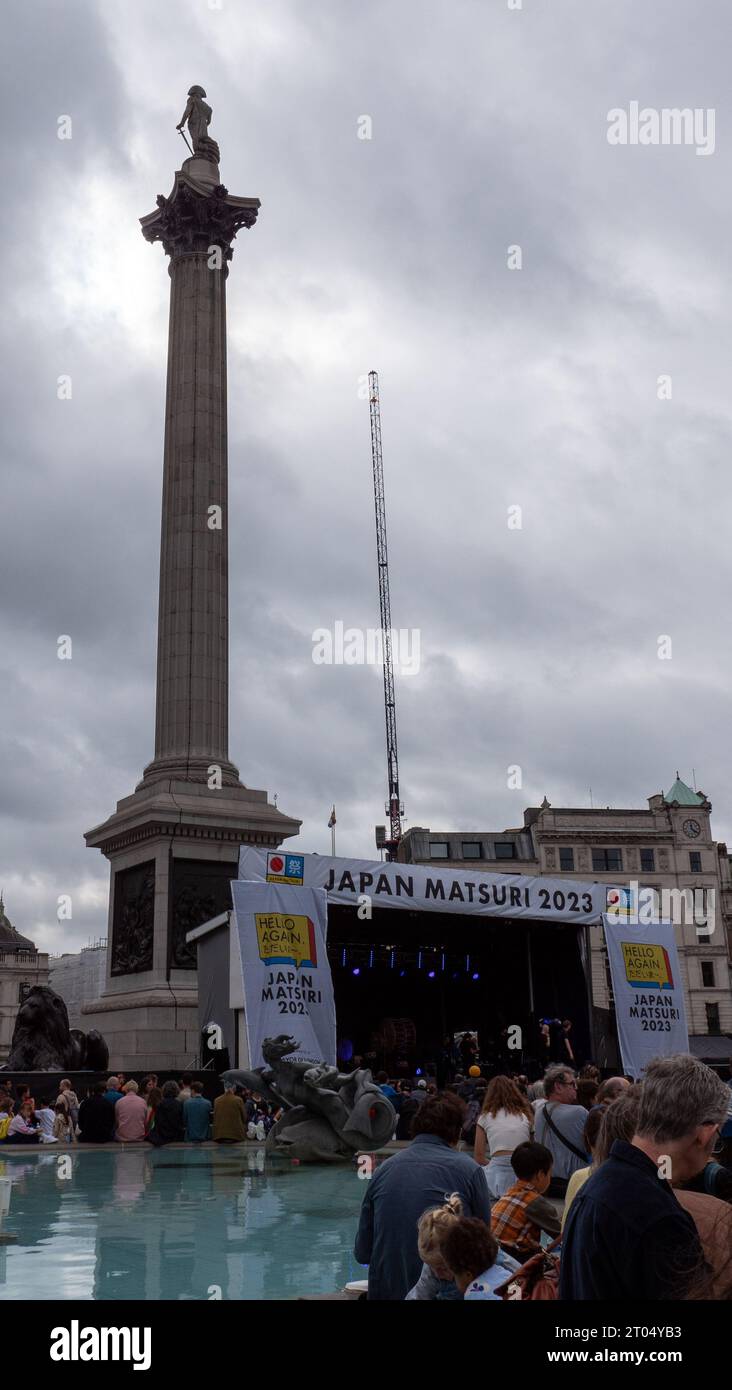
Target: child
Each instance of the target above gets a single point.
(46, 1117)
(436, 1281)
(23, 1128)
(63, 1125)
(470, 1252)
(522, 1213)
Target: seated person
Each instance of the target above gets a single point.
(522, 1213)
(197, 1113)
(471, 1253)
(435, 1281)
(96, 1117)
(46, 1116)
(6, 1115)
(24, 1129)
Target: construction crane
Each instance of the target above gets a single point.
(394, 809)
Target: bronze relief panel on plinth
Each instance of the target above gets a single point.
(199, 890)
(134, 919)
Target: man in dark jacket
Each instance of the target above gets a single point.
(408, 1184)
(626, 1235)
(96, 1117)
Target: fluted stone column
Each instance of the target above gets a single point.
(173, 845)
(196, 226)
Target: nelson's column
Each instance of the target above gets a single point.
(173, 845)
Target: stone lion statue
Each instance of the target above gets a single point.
(43, 1041)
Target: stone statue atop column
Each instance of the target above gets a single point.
(198, 116)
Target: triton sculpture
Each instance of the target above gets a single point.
(328, 1115)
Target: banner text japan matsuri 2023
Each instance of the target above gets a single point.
(288, 986)
(428, 889)
(649, 996)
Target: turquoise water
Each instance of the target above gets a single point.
(176, 1224)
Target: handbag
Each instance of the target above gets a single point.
(537, 1279)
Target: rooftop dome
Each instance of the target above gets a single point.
(10, 939)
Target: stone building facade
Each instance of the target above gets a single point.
(79, 977)
(668, 846)
(21, 967)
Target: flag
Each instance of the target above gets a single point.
(332, 820)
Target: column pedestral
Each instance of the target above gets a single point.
(173, 845)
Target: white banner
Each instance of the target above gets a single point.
(429, 889)
(649, 996)
(287, 981)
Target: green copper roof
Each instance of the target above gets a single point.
(683, 794)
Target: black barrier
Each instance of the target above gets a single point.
(44, 1083)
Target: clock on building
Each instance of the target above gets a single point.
(691, 828)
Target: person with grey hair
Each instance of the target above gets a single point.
(560, 1126)
(627, 1237)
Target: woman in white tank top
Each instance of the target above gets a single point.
(505, 1121)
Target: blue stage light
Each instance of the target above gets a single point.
(371, 959)
(356, 970)
(430, 974)
(343, 956)
(476, 976)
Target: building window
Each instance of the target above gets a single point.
(566, 860)
(471, 849)
(607, 860)
(24, 990)
(505, 849)
(695, 861)
(713, 1027)
(439, 849)
(707, 968)
(648, 861)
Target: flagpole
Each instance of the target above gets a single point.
(332, 841)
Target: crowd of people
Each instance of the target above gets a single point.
(128, 1112)
(571, 1188)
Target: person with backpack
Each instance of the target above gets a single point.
(560, 1125)
(506, 1120)
(6, 1115)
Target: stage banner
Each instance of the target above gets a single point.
(287, 981)
(426, 888)
(649, 996)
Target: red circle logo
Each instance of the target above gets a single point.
(276, 864)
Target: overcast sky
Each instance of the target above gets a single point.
(534, 388)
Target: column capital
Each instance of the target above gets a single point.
(198, 214)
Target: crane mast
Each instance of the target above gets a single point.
(394, 809)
